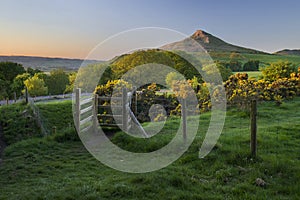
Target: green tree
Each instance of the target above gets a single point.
(235, 66)
(10, 70)
(3, 88)
(36, 86)
(57, 81)
(220, 68)
(278, 70)
(251, 65)
(18, 83)
(32, 71)
(173, 76)
(70, 86)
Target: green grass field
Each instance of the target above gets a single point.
(252, 74)
(265, 59)
(59, 167)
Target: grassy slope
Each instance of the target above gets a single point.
(17, 123)
(57, 114)
(265, 59)
(46, 169)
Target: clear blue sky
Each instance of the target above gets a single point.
(71, 28)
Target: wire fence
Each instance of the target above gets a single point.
(276, 127)
(40, 119)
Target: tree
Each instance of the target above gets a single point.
(278, 70)
(57, 81)
(32, 71)
(3, 87)
(251, 65)
(18, 83)
(36, 86)
(220, 68)
(70, 86)
(173, 76)
(10, 70)
(235, 66)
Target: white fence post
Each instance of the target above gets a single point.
(77, 108)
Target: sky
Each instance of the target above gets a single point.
(72, 28)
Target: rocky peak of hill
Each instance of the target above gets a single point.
(201, 35)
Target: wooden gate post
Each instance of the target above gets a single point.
(54, 130)
(134, 102)
(253, 116)
(124, 109)
(15, 97)
(26, 95)
(95, 111)
(184, 119)
(77, 108)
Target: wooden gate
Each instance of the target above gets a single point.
(93, 109)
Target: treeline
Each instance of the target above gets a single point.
(14, 78)
(279, 81)
(237, 66)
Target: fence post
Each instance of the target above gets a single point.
(54, 130)
(253, 115)
(184, 119)
(134, 102)
(77, 108)
(26, 95)
(124, 109)
(15, 97)
(95, 111)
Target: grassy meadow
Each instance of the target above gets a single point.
(265, 59)
(59, 167)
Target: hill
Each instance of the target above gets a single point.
(294, 52)
(210, 43)
(46, 63)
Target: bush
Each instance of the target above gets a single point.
(278, 70)
(18, 123)
(252, 65)
(240, 90)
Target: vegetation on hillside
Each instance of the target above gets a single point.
(59, 167)
(17, 123)
(14, 78)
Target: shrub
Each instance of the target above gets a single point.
(278, 70)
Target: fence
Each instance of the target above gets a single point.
(87, 111)
(35, 99)
(38, 116)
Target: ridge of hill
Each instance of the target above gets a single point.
(47, 63)
(209, 43)
(290, 52)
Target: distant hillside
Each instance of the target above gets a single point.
(210, 43)
(294, 52)
(45, 63)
